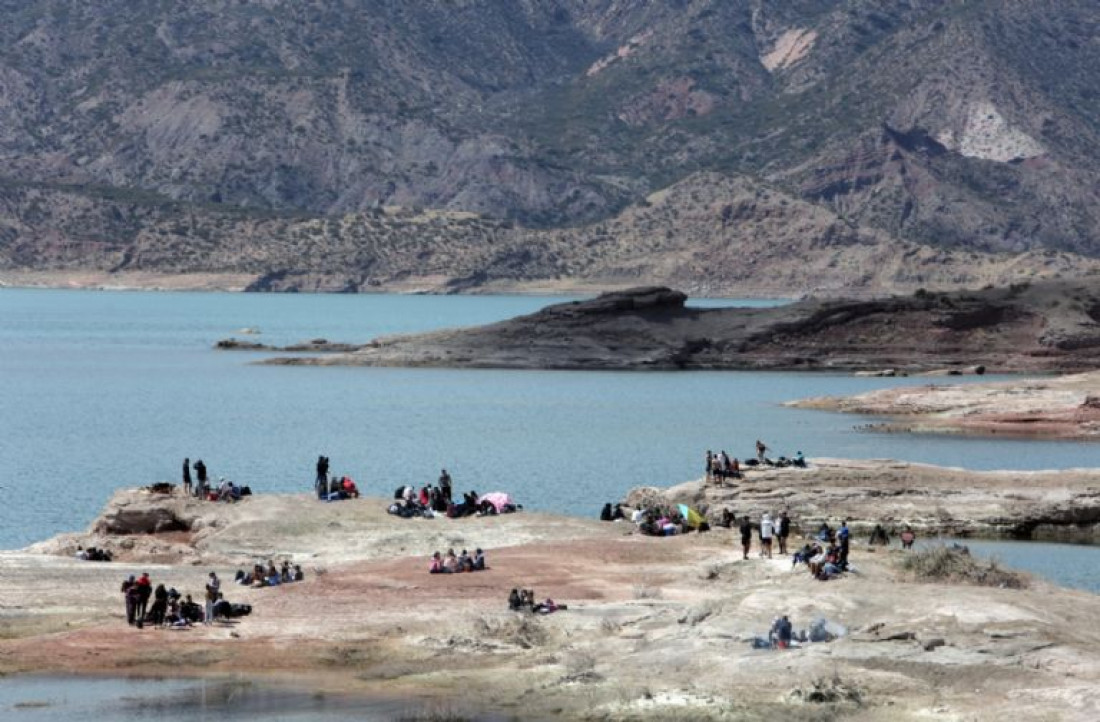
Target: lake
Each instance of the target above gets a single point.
(101, 390)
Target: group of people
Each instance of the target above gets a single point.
(270, 576)
(769, 531)
(667, 521)
(92, 554)
(171, 609)
(523, 600)
(452, 563)
(333, 488)
(431, 501)
(612, 514)
(719, 467)
(225, 490)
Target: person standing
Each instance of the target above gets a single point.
(200, 477)
(187, 477)
(213, 587)
(144, 591)
(783, 531)
(843, 536)
(761, 449)
(445, 485)
(708, 466)
(129, 598)
(746, 536)
(767, 531)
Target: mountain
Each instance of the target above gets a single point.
(459, 143)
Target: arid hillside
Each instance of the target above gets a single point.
(752, 146)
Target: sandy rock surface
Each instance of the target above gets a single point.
(932, 500)
(1063, 407)
(657, 628)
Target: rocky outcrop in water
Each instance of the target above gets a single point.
(1041, 326)
(931, 500)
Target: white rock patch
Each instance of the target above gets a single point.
(987, 135)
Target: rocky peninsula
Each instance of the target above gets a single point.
(1064, 407)
(1048, 326)
(656, 627)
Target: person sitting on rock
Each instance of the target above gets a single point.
(605, 514)
(618, 514)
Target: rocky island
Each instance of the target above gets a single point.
(1048, 326)
(1065, 407)
(976, 643)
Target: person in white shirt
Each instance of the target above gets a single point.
(767, 531)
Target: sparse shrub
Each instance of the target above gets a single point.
(947, 564)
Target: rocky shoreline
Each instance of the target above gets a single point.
(1066, 407)
(369, 620)
(1048, 326)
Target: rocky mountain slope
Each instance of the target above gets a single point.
(267, 138)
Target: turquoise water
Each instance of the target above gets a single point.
(1067, 565)
(90, 699)
(100, 390)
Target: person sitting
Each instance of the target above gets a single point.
(436, 565)
(298, 575)
(284, 572)
(799, 460)
(728, 519)
(617, 514)
(272, 575)
(479, 561)
(349, 488)
(450, 562)
(605, 513)
(222, 609)
(464, 560)
(824, 533)
(515, 601)
(547, 607)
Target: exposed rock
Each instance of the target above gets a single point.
(652, 328)
(1062, 407)
(932, 501)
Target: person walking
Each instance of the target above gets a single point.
(783, 531)
(746, 536)
(213, 587)
(187, 477)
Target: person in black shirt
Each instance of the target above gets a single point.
(783, 531)
(746, 536)
(187, 477)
